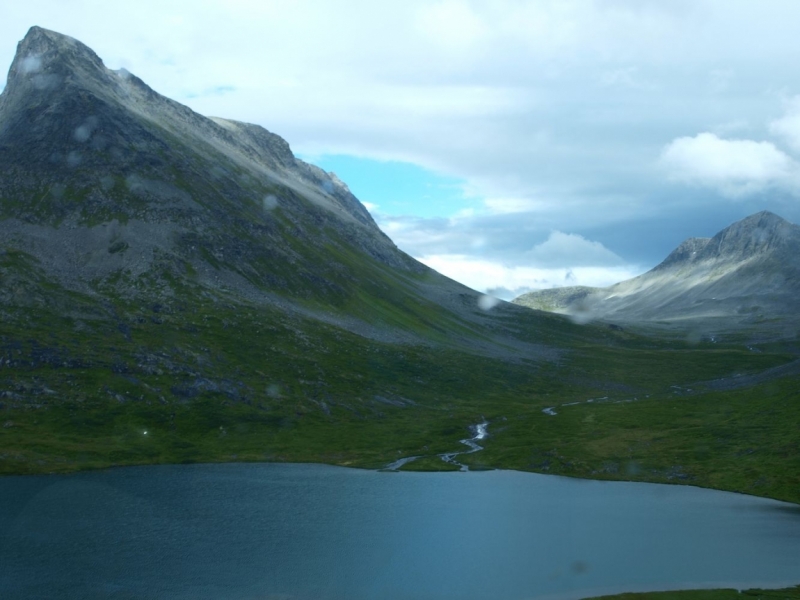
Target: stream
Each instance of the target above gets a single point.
(478, 433)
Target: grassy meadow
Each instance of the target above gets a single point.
(208, 381)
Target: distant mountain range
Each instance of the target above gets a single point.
(745, 277)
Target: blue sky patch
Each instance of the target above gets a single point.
(398, 188)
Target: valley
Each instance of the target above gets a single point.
(180, 289)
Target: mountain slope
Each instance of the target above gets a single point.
(112, 188)
(746, 274)
(151, 252)
(84, 145)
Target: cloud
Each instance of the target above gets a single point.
(216, 90)
(371, 207)
(493, 253)
(530, 240)
(503, 281)
(30, 64)
(512, 205)
(507, 294)
(734, 167)
(625, 77)
(788, 126)
(451, 24)
(720, 80)
(570, 250)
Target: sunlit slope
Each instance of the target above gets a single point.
(745, 278)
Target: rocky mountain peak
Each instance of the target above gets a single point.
(765, 222)
(45, 59)
(53, 78)
(756, 234)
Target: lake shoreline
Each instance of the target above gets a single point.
(483, 469)
(783, 591)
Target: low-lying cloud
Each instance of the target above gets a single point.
(507, 282)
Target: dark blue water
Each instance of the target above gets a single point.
(309, 531)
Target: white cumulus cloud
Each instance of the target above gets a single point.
(734, 167)
(498, 279)
(370, 206)
(569, 250)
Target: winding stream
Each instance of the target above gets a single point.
(478, 433)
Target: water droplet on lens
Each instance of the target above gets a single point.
(74, 159)
(486, 302)
(30, 64)
(58, 189)
(580, 566)
(270, 202)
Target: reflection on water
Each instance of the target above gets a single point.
(312, 531)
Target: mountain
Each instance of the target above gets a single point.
(95, 159)
(745, 277)
(165, 271)
(110, 188)
(176, 288)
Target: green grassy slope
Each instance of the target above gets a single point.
(213, 380)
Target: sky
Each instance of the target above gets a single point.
(511, 145)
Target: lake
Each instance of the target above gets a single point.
(286, 531)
